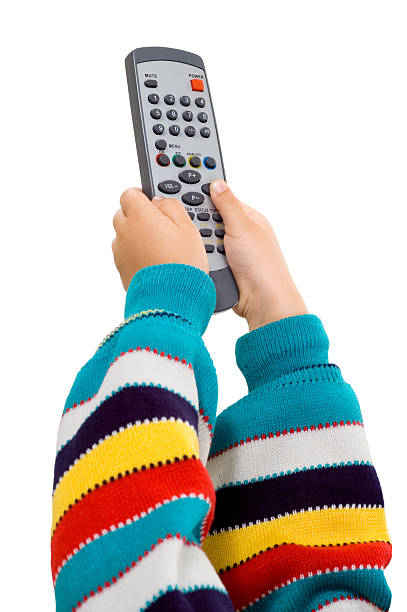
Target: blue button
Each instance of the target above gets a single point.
(210, 163)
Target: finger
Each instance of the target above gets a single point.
(172, 208)
(133, 200)
(118, 219)
(233, 212)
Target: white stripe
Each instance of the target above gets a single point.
(353, 605)
(289, 452)
(133, 368)
(171, 563)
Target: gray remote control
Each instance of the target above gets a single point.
(178, 146)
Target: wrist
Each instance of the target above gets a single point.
(268, 306)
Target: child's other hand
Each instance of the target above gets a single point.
(154, 232)
(267, 291)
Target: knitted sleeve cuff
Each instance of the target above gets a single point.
(178, 288)
(281, 347)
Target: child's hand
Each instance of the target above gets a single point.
(267, 291)
(150, 233)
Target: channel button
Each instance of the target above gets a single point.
(189, 176)
(192, 198)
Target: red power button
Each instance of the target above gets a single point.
(197, 85)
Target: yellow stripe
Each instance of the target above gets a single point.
(135, 446)
(316, 528)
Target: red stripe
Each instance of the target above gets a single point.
(125, 497)
(271, 568)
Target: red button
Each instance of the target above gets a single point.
(197, 85)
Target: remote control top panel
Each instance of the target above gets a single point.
(178, 146)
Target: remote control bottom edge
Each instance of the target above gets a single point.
(227, 293)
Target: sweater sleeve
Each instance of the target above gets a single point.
(299, 521)
(132, 500)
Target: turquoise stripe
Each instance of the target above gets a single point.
(303, 398)
(308, 593)
(103, 558)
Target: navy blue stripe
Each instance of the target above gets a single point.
(201, 600)
(126, 406)
(350, 484)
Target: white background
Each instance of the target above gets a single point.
(311, 103)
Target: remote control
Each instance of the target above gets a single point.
(178, 147)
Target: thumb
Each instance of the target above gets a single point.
(232, 210)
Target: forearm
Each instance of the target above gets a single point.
(299, 513)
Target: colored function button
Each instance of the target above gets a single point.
(205, 188)
(154, 98)
(200, 102)
(202, 117)
(219, 233)
(205, 233)
(197, 85)
(195, 161)
(169, 99)
(172, 114)
(209, 248)
(190, 130)
(192, 198)
(187, 116)
(216, 217)
(179, 161)
(169, 187)
(205, 132)
(174, 130)
(189, 176)
(192, 215)
(150, 83)
(221, 249)
(160, 145)
(185, 100)
(158, 129)
(155, 113)
(210, 163)
(163, 160)
(203, 216)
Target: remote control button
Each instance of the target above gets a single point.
(185, 100)
(205, 188)
(190, 130)
(221, 248)
(179, 161)
(197, 85)
(192, 215)
(205, 132)
(163, 160)
(219, 233)
(216, 217)
(174, 130)
(172, 114)
(187, 116)
(158, 129)
(192, 198)
(195, 161)
(169, 187)
(210, 163)
(150, 83)
(209, 248)
(205, 233)
(200, 102)
(169, 99)
(154, 98)
(160, 145)
(202, 117)
(189, 176)
(203, 216)
(156, 113)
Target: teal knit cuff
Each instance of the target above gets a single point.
(177, 288)
(281, 347)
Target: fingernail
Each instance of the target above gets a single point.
(158, 198)
(218, 187)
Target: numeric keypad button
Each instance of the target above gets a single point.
(185, 100)
(202, 117)
(190, 130)
(179, 161)
(160, 145)
(203, 216)
(219, 233)
(156, 113)
(205, 132)
(154, 98)
(169, 187)
(187, 116)
(174, 130)
(158, 129)
(217, 218)
(200, 102)
(192, 198)
(169, 99)
(205, 233)
(189, 176)
(206, 188)
(172, 114)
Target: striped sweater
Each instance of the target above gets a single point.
(298, 523)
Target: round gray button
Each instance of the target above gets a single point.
(158, 129)
(154, 98)
(202, 117)
(172, 114)
(156, 113)
(187, 116)
(200, 102)
(185, 100)
(205, 132)
(190, 130)
(160, 145)
(174, 130)
(169, 99)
